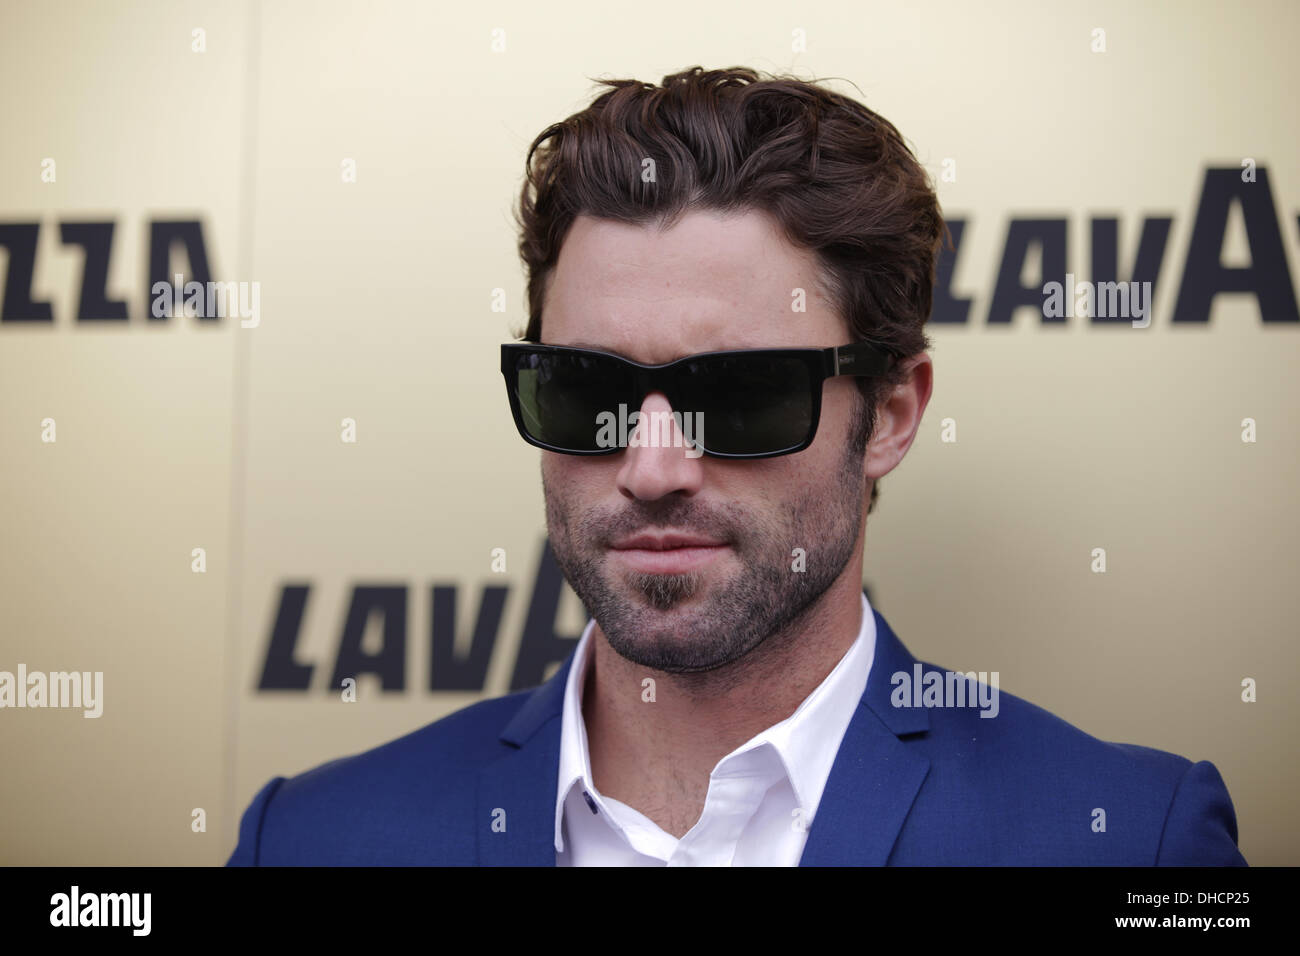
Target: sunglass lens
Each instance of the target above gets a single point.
(751, 404)
(562, 394)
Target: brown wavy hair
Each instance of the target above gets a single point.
(837, 178)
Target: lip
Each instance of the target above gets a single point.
(665, 542)
(667, 553)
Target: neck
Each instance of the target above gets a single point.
(657, 757)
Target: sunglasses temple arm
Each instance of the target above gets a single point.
(860, 358)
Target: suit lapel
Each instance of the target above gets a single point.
(515, 798)
(875, 778)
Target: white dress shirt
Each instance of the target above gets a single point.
(762, 796)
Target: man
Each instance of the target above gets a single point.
(735, 700)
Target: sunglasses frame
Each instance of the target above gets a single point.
(857, 358)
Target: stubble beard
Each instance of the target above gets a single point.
(702, 621)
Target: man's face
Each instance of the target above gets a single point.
(710, 283)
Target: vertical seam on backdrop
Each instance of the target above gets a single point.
(240, 427)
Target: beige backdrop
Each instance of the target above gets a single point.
(377, 305)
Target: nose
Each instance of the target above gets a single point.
(658, 460)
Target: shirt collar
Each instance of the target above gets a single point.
(575, 758)
(807, 741)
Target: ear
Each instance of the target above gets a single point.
(898, 416)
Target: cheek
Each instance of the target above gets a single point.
(839, 405)
(561, 471)
(839, 417)
(576, 482)
(767, 484)
(818, 460)
(555, 486)
(548, 468)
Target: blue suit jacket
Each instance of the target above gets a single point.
(909, 786)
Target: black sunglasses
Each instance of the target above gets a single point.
(752, 403)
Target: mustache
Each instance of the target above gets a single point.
(607, 526)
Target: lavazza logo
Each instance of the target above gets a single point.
(1057, 294)
(1031, 274)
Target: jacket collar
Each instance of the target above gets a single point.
(546, 702)
(876, 776)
